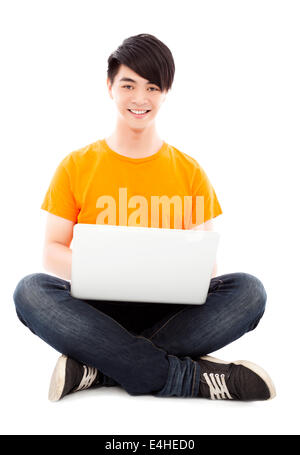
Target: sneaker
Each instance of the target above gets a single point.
(238, 380)
(70, 376)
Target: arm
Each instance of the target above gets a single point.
(58, 260)
(208, 226)
(57, 254)
(214, 272)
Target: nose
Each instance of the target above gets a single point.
(140, 100)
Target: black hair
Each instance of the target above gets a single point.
(147, 56)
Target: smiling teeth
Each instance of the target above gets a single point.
(138, 112)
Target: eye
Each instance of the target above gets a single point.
(125, 86)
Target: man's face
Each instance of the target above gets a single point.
(137, 94)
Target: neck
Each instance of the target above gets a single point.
(134, 142)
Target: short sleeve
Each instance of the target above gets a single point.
(59, 198)
(210, 206)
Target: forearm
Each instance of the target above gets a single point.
(57, 259)
(214, 272)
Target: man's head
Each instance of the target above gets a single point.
(149, 65)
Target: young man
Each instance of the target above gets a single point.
(158, 349)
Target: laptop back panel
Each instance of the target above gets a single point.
(126, 263)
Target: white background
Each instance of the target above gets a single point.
(234, 106)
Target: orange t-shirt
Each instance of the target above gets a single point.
(96, 185)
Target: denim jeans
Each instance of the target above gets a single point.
(145, 348)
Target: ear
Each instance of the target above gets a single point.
(165, 92)
(108, 83)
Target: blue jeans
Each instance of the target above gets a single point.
(146, 348)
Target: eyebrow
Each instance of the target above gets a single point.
(128, 79)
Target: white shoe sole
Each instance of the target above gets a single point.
(252, 366)
(57, 382)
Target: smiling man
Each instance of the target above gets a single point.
(138, 102)
(133, 177)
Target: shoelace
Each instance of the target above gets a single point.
(217, 387)
(89, 375)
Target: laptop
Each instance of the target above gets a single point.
(142, 264)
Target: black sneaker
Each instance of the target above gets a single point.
(70, 376)
(238, 380)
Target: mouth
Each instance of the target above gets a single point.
(139, 115)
